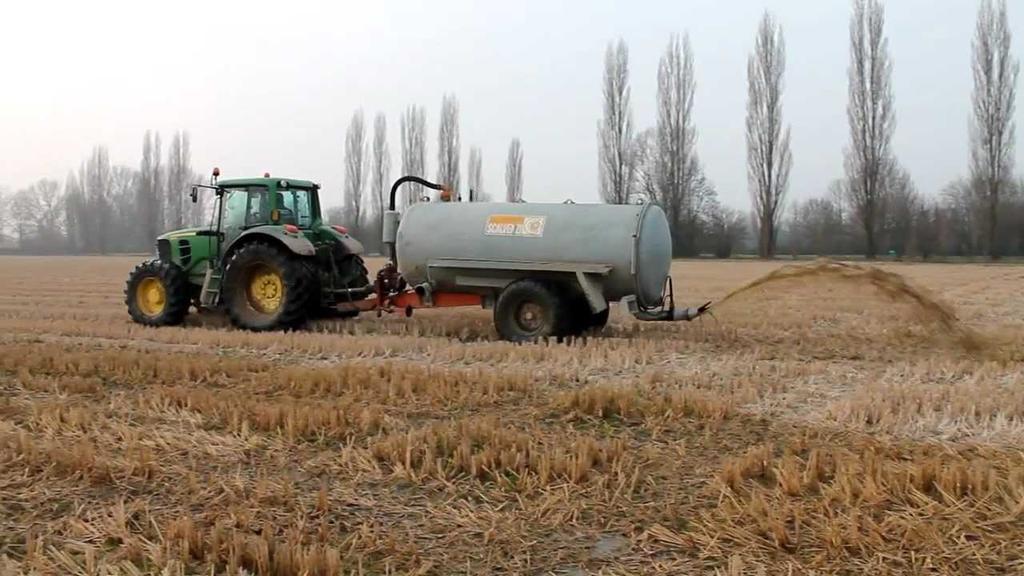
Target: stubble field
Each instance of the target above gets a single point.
(825, 423)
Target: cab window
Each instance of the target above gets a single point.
(245, 207)
(295, 208)
(258, 211)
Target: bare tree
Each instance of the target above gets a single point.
(726, 228)
(476, 176)
(992, 126)
(870, 114)
(680, 187)
(964, 204)
(25, 211)
(413, 124)
(1012, 222)
(97, 194)
(768, 154)
(448, 144)
(122, 198)
(74, 212)
(50, 214)
(380, 169)
(645, 154)
(198, 212)
(514, 172)
(5, 217)
(355, 169)
(902, 206)
(927, 224)
(816, 227)
(150, 193)
(179, 168)
(617, 161)
(38, 216)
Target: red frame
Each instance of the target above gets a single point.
(410, 300)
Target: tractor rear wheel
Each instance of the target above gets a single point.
(157, 294)
(266, 288)
(529, 310)
(352, 273)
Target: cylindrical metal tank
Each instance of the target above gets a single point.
(633, 240)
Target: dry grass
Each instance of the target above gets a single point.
(830, 418)
(874, 501)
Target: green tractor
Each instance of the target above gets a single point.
(270, 261)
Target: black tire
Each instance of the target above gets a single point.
(600, 320)
(581, 319)
(352, 273)
(281, 302)
(157, 294)
(528, 310)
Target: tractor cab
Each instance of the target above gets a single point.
(269, 201)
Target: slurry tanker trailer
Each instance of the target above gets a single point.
(546, 270)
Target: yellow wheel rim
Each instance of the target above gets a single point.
(265, 289)
(151, 296)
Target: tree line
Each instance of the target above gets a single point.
(102, 208)
(873, 208)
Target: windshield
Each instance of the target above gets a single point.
(296, 207)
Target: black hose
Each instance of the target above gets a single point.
(413, 179)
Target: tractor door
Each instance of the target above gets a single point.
(244, 208)
(296, 206)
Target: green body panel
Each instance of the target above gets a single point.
(190, 251)
(298, 243)
(328, 235)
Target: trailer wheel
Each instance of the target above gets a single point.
(600, 320)
(528, 310)
(582, 319)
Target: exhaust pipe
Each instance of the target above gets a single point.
(670, 314)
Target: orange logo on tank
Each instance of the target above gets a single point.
(515, 225)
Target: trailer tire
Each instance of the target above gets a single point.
(600, 320)
(582, 319)
(528, 310)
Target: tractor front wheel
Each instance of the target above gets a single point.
(157, 294)
(266, 288)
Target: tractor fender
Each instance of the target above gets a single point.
(294, 243)
(349, 245)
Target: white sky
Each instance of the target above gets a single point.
(271, 86)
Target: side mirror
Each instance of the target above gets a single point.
(194, 195)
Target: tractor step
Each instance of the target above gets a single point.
(210, 295)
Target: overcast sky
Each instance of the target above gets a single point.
(272, 86)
